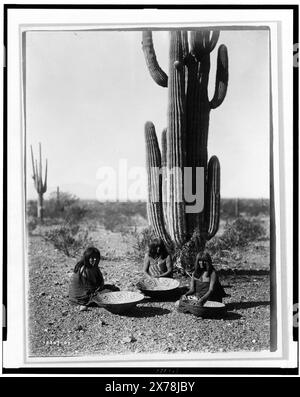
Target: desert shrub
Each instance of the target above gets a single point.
(216, 245)
(237, 234)
(31, 208)
(250, 207)
(69, 239)
(185, 256)
(57, 209)
(242, 231)
(75, 213)
(69, 209)
(115, 220)
(118, 216)
(141, 241)
(132, 208)
(32, 223)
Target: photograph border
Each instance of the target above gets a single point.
(182, 370)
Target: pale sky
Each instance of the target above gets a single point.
(89, 95)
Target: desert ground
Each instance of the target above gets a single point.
(57, 328)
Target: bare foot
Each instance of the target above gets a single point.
(177, 303)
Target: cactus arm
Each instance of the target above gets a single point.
(34, 176)
(214, 39)
(154, 205)
(45, 180)
(40, 187)
(164, 145)
(40, 164)
(203, 42)
(37, 176)
(36, 171)
(213, 197)
(210, 39)
(32, 161)
(221, 78)
(158, 75)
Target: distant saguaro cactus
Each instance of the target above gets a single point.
(184, 142)
(40, 186)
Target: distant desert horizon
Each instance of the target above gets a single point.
(88, 192)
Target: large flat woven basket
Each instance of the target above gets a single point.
(161, 286)
(118, 301)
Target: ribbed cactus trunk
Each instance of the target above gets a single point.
(176, 145)
(154, 204)
(184, 142)
(40, 186)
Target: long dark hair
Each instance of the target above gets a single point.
(84, 263)
(206, 258)
(153, 247)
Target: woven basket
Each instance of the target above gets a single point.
(210, 309)
(119, 301)
(162, 286)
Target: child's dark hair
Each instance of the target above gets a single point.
(84, 261)
(206, 258)
(152, 248)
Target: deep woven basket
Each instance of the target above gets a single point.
(210, 309)
(119, 301)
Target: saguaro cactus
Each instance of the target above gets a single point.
(40, 186)
(184, 142)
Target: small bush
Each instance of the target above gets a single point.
(115, 220)
(242, 231)
(237, 234)
(184, 257)
(215, 246)
(141, 242)
(69, 239)
(57, 209)
(249, 207)
(75, 213)
(31, 208)
(32, 223)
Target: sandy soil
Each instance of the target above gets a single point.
(57, 328)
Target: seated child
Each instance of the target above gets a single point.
(205, 284)
(87, 279)
(158, 262)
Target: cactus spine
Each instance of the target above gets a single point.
(184, 143)
(40, 186)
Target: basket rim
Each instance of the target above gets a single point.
(171, 280)
(220, 305)
(139, 298)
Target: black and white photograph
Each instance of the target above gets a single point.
(149, 190)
